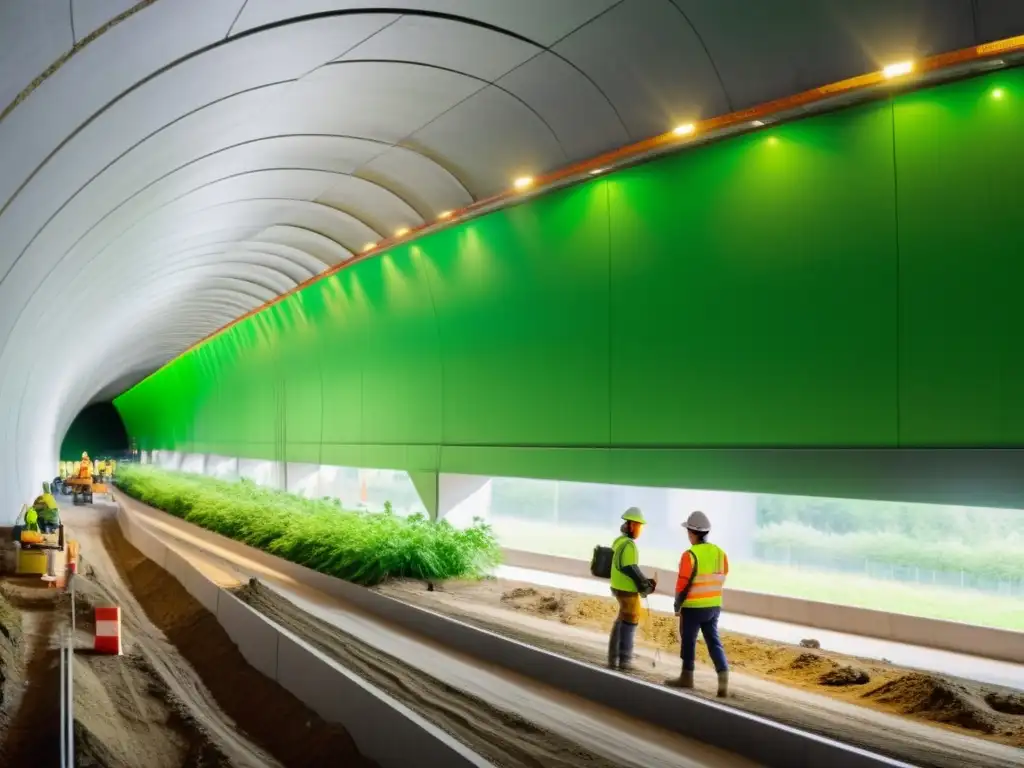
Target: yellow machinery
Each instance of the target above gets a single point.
(34, 545)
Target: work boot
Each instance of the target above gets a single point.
(614, 644)
(685, 680)
(626, 636)
(723, 684)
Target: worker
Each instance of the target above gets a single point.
(698, 604)
(85, 467)
(628, 585)
(47, 511)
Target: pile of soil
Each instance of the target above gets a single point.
(940, 699)
(966, 706)
(269, 715)
(500, 736)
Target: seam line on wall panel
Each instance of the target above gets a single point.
(71, 10)
(896, 221)
(608, 203)
(427, 263)
(234, 21)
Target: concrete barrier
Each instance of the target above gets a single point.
(384, 730)
(987, 642)
(763, 741)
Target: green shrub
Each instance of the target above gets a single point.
(362, 547)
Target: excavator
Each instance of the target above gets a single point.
(86, 481)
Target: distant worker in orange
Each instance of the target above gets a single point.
(85, 467)
(702, 571)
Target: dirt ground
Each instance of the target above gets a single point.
(503, 738)
(122, 713)
(983, 722)
(249, 720)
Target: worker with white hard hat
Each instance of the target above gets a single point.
(628, 585)
(702, 571)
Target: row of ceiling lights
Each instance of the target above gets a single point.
(523, 183)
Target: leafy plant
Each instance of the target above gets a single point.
(362, 547)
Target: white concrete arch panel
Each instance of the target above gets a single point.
(70, 97)
(584, 120)
(478, 51)
(89, 15)
(650, 63)
(998, 19)
(795, 45)
(32, 37)
(317, 245)
(330, 222)
(284, 53)
(542, 21)
(297, 263)
(386, 101)
(427, 186)
(381, 209)
(490, 139)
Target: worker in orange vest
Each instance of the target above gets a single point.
(698, 604)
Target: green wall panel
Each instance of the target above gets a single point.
(754, 293)
(961, 218)
(842, 281)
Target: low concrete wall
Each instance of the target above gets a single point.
(1001, 644)
(383, 729)
(767, 743)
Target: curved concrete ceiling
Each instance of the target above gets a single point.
(168, 165)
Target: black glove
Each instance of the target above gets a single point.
(649, 586)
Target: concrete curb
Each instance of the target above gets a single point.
(763, 741)
(384, 730)
(990, 643)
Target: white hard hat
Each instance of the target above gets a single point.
(698, 522)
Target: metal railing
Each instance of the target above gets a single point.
(67, 685)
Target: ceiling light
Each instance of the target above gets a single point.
(684, 130)
(445, 214)
(757, 123)
(369, 247)
(897, 69)
(998, 93)
(401, 232)
(596, 171)
(523, 182)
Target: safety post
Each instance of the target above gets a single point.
(108, 630)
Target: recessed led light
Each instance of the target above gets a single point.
(684, 130)
(401, 232)
(445, 214)
(523, 182)
(757, 123)
(898, 69)
(596, 171)
(369, 247)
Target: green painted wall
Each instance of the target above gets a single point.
(845, 281)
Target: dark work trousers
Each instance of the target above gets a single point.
(705, 621)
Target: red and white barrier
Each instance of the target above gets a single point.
(108, 631)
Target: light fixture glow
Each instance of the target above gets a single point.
(369, 247)
(998, 93)
(523, 182)
(401, 232)
(897, 69)
(596, 171)
(445, 214)
(757, 123)
(684, 130)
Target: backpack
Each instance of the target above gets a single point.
(601, 562)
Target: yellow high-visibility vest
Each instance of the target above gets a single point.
(706, 590)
